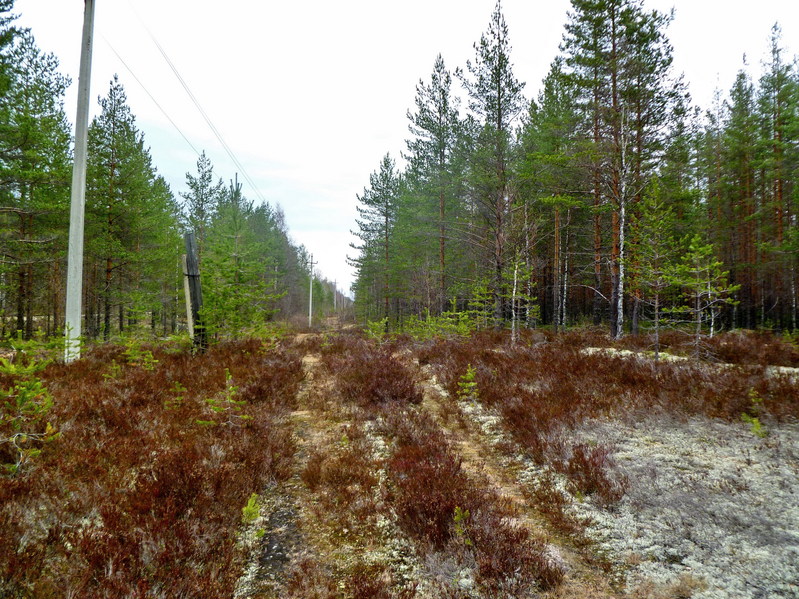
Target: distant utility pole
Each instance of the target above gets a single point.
(77, 208)
(310, 301)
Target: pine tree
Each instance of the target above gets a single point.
(619, 59)
(739, 144)
(778, 161)
(551, 178)
(126, 209)
(653, 248)
(435, 127)
(7, 34)
(34, 174)
(705, 287)
(495, 98)
(201, 201)
(236, 271)
(378, 212)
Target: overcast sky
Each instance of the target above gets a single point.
(310, 94)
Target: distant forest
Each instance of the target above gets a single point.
(608, 199)
(252, 272)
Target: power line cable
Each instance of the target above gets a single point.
(202, 112)
(147, 91)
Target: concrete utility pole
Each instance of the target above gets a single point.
(77, 208)
(310, 301)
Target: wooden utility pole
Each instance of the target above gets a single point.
(187, 295)
(310, 295)
(78, 201)
(194, 301)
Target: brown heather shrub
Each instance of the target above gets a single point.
(557, 385)
(427, 489)
(311, 475)
(136, 498)
(308, 579)
(426, 483)
(343, 476)
(372, 581)
(553, 503)
(754, 347)
(368, 374)
(590, 471)
(740, 346)
(428, 486)
(542, 390)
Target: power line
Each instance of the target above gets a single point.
(147, 91)
(202, 112)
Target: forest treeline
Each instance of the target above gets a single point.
(609, 198)
(252, 271)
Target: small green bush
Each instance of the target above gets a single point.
(251, 511)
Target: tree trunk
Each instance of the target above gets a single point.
(556, 274)
(109, 269)
(21, 299)
(441, 252)
(29, 303)
(597, 190)
(634, 326)
(564, 295)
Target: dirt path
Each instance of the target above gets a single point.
(324, 533)
(328, 529)
(477, 437)
(276, 539)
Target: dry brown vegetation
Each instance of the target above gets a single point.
(142, 493)
(157, 451)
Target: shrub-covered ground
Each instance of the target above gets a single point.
(337, 466)
(140, 491)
